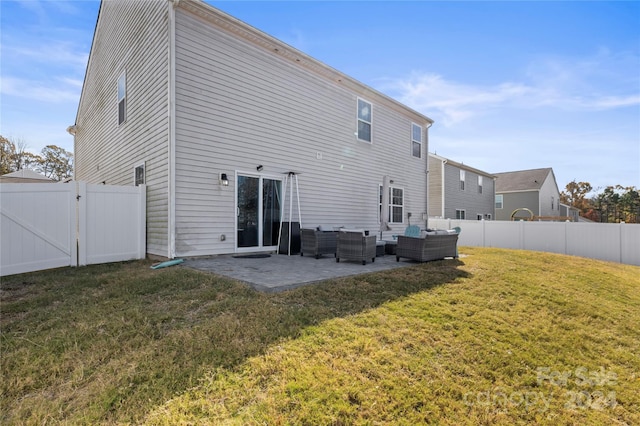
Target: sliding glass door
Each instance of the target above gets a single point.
(259, 204)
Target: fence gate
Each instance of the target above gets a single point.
(48, 225)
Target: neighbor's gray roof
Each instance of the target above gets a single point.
(26, 174)
(523, 180)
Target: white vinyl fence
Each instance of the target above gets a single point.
(48, 225)
(616, 242)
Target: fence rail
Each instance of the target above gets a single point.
(47, 226)
(616, 242)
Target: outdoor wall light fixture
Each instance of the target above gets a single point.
(259, 168)
(223, 179)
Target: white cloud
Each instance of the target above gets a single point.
(39, 91)
(53, 52)
(602, 82)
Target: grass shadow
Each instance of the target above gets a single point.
(107, 343)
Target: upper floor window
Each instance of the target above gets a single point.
(416, 140)
(462, 177)
(364, 120)
(122, 99)
(479, 184)
(499, 201)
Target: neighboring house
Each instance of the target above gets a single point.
(25, 176)
(212, 114)
(535, 190)
(457, 191)
(570, 212)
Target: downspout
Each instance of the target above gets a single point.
(172, 132)
(426, 151)
(444, 162)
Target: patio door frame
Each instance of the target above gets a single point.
(261, 177)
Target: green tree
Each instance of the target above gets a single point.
(7, 151)
(618, 204)
(56, 163)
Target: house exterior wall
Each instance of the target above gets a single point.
(569, 211)
(469, 199)
(549, 197)
(208, 94)
(517, 200)
(446, 195)
(435, 187)
(133, 39)
(240, 105)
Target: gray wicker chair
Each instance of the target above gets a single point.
(429, 247)
(316, 243)
(356, 246)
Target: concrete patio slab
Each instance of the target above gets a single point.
(280, 272)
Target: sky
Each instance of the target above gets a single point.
(510, 85)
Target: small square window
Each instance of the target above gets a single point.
(461, 214)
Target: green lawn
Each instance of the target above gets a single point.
(498, 336)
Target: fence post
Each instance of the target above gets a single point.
(484, 233)
(81, 223)
(142, 222)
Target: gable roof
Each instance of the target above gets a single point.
(461, 165)
(25, 175)
(522, 180)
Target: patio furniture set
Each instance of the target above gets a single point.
(358, 245)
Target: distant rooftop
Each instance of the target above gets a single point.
(522, 180)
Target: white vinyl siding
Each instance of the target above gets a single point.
(240, 105)
(131, 35)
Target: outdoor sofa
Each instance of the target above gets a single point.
(317, 242)
(429, 246)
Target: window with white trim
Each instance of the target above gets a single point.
(499, 201)
(365, 120)
(396, 204)
(479, 184)
(416, 140)
(122, 98)
(139, 175)
(461, 214)
(462, 177)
